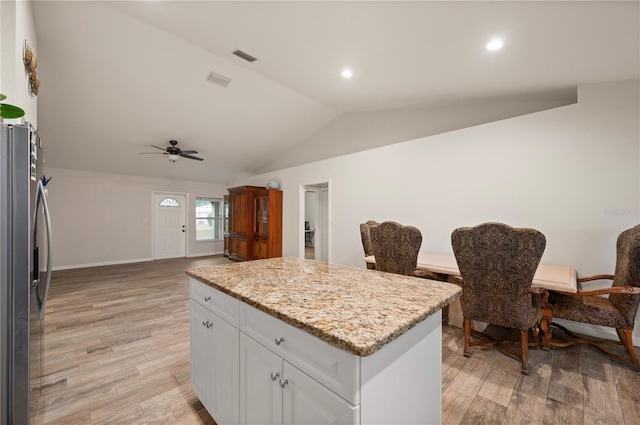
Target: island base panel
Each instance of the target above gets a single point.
(402, 382)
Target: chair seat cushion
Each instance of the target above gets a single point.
(499, 310)
(594, 310)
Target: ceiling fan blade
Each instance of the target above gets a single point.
(189, 152)
(152, 153)
(190, 157)
(157, 147)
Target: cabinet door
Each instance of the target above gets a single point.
(215, 367)
(306, 401)
(260, 249)
(260, 392)
(201, 346)
(225, 362)
(238, 212)
(237, 248)
(261, 207)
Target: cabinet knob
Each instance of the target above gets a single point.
(279, 340)
(208, 324)
(274, 376)
(207, 298)
(283, 383)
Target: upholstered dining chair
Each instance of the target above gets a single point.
(365, 235)
(497, 263)
(395, 247)
(618, 311)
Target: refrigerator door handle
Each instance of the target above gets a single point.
(41, 197)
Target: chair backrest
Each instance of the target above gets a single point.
(396, 247)
(497, 263)
(365, 234)
(627, 273)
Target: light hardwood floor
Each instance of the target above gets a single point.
(117, 352)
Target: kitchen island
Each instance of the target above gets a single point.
(295, 341)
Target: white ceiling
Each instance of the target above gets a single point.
(120, 76)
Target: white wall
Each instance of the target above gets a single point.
(356, 131)
(571, 172)
(17, 25)
(106, 218)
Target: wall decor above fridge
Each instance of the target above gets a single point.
(30, 65)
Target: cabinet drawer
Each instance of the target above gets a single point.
(336, 369)
(216, 301)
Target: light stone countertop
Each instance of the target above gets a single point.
(356, 310)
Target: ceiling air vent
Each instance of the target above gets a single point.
(218, 79)
(245, 56)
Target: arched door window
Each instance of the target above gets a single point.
(169, 202)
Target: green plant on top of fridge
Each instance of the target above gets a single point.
(9, 111)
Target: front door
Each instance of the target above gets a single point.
(169, 225)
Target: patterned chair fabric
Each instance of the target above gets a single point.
(619, 310)
(396, 247)
(497, 264)
(365, 235)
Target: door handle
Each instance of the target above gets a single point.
(41, 196)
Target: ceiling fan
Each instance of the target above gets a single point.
(174, 153)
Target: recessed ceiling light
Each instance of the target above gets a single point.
(495, 45)
(346, 73)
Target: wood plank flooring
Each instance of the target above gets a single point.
(576, 385)
(116, 351)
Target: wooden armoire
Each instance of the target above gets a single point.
(255, 223)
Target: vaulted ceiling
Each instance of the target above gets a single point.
(118, 77)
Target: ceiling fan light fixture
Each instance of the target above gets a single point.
(174, 153)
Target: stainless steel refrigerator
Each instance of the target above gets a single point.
(25, 271)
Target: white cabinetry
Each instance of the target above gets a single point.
(215, 367)
(336, 369)
(308, 402)
(248, 367)
(272, 391)
(260, 375)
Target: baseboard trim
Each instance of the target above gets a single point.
(135, 260)
(103, 263)
(205, 254)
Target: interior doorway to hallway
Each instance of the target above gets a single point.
(314, 221)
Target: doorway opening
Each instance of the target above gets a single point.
(314, 221)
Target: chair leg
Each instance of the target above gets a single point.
(467, 337)
(626, 337)
(524, 344)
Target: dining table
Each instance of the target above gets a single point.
(548, 276)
